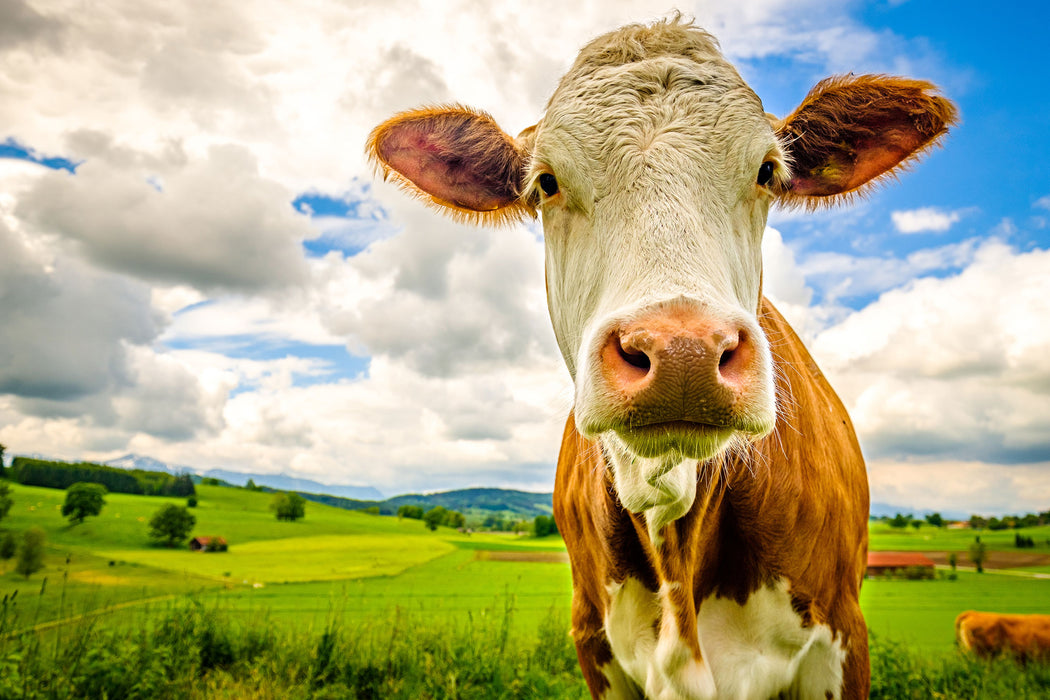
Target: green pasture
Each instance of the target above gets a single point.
(882, 537)
(362, 568)
(921, 614)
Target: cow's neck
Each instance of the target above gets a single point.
(727, 558)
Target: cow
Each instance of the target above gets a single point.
(988, 635)
(710, 488)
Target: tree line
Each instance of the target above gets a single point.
(976, 522)
(61, 475)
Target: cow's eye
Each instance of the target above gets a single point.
(549, 184)
(765, 173)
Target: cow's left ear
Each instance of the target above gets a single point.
(851, 131)
(457, 159)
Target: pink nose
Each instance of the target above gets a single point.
(676, 366)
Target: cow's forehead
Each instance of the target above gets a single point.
(665, 86)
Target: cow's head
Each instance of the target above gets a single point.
(653, 168)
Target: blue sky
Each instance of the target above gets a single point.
(197, 264)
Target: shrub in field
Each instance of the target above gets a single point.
(288, 506)
(5, 494)
(171, 524)
(31, 552)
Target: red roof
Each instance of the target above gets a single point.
(205, 541)
(895, 560)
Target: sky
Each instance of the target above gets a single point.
(197, 264)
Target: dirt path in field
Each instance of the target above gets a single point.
(51, 624)
(995, 560)
(537, 557)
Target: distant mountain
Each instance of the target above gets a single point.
(477, 504)
(880, 510)
(274, 481)
(133, 461)
(283, 482)
(523, 503)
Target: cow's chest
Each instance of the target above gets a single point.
(761, 649)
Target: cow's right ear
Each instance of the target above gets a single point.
(457, 159)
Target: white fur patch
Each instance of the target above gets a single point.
(663, 488)
(758, 650)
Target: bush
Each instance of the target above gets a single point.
(31, 553)
(288, 506)
(171, 524)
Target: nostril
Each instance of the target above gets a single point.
(732, 363)
(634, 357)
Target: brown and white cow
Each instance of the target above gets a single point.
(987, 635)
(710, 489)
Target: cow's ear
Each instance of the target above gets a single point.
(457, 159)
(851, 131)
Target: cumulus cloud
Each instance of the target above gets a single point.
(196, 130)
(956, 367)
(443, 298)
(966, 485)
(214, 223)
(924, 219)
(839, 276)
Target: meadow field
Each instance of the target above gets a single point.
(373, 580)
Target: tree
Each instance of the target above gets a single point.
(288, 506)
(977, 522)
(543, 525)
(935, 520)
(411, 512)
(455, 519)
(900, 521)
(8, 547)
(82, 500)
(434, 517)
(5, 499)
(916, 524)
(978, 554)
(31, 553)
(171, 524)
(953, 560)
(3, 448)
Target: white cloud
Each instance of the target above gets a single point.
(956, 367)
(924, 219)
(197, 129)
(214, 224)
(969, 486)
(841, 276)
(1043, 202)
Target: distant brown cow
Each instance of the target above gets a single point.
(1024, 637)
(710, 489)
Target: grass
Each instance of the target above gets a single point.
(194, 650)
(368, 579)
(312, 558)
(931, 539)
(922, 613)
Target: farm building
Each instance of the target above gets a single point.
(911, 564)
(208, 544)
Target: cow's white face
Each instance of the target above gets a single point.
(653, 168)
(647, 178)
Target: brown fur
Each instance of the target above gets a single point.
(455, 158)
(795, 505)
(987, 635)
(852, 130)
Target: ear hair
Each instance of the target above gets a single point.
(852, 133)
(437, 153)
